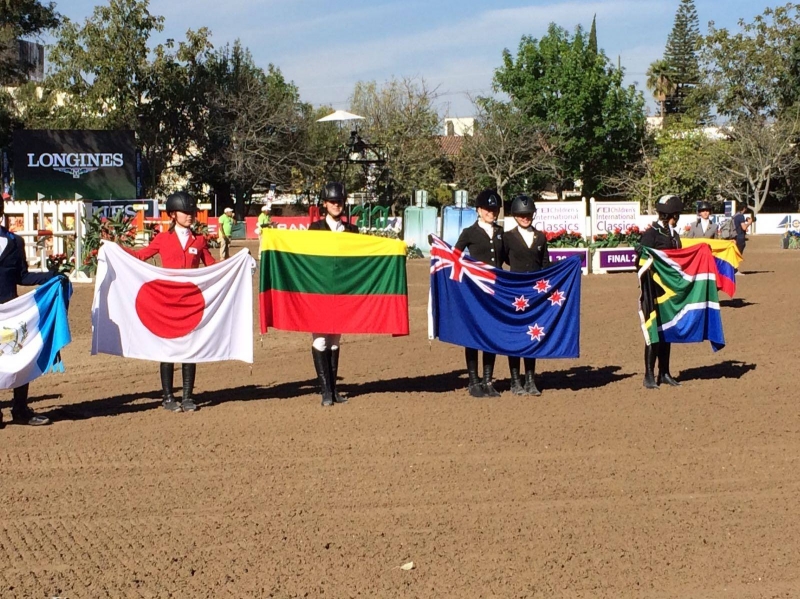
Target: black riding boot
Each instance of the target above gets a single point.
(530, 383)
(323, 367)
(170, 403)
(188, 371)
(663, 365)
(516, 381)
(488, 371)
(334, 358)
(650, 353)
(21, 413)
(475, 388)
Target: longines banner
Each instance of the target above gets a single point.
(97, 165)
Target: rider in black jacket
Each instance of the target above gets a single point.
(484, 241)
(660, 236)
(526, 251)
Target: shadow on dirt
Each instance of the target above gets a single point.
(108, 406)
(579, 377)
(729, 369)
(736, 302)
(31, 399)
(582, 377)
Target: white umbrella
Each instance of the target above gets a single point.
(340, 115)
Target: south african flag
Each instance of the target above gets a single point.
(679, 298)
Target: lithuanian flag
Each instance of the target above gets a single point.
(727, 258)
(324, 282)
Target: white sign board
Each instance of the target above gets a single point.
(556, 216)
(608, 216)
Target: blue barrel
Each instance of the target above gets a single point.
(455, 220)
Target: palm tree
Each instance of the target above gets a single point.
(660, 83)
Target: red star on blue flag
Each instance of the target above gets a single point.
(536, 332)
(520, 303)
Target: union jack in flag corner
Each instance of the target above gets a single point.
(531, 315)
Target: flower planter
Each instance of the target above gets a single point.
(618, 259)
(557, 254)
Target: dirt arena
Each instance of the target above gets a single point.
(596, 489)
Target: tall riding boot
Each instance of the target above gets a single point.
(516, 381)
(663, 365)
(21, 413)
(323, 367)
(170, 403)
(530, 383)
(475, 388)
(188, 371)
(488, 371)
(334, 360)
(650, 354)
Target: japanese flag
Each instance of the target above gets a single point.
(173, 315)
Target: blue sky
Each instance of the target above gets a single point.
(325, 47)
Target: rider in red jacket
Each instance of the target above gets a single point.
(178, 248)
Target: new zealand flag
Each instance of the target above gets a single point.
(531, 315)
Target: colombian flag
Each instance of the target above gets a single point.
(324, 282)
(727, 258)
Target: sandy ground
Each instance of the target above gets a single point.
(597, 489)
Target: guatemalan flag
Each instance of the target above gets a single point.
(531, 315)
(187, 315)
(33, 330)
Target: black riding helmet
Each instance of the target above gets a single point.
(488, 199)
(669, 205)
(523, 205)
(180, 201)
(703, 205)
(333, 192)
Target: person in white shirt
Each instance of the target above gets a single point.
(324, 346)
(704, 227)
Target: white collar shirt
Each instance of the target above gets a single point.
(487, 228)
(335, 225)
(527, 235)
(183, 235)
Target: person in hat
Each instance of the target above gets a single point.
(704, 227)
(526, 251)
(13, 272)
(661, 235)
(484, 241)
(325, 346)
(178, 247)
(263, 218)
(226, 222)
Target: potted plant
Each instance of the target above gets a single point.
(562, 244)
(614, 251)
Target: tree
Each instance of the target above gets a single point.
(756, 156)
(400, 115)
(751, 78)
(252, 131)
(754, 71)
(504, 148)
(659, 82)
(18, 19)
(680, 56)
(594, 123)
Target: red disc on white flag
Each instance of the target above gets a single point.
(169, 309)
